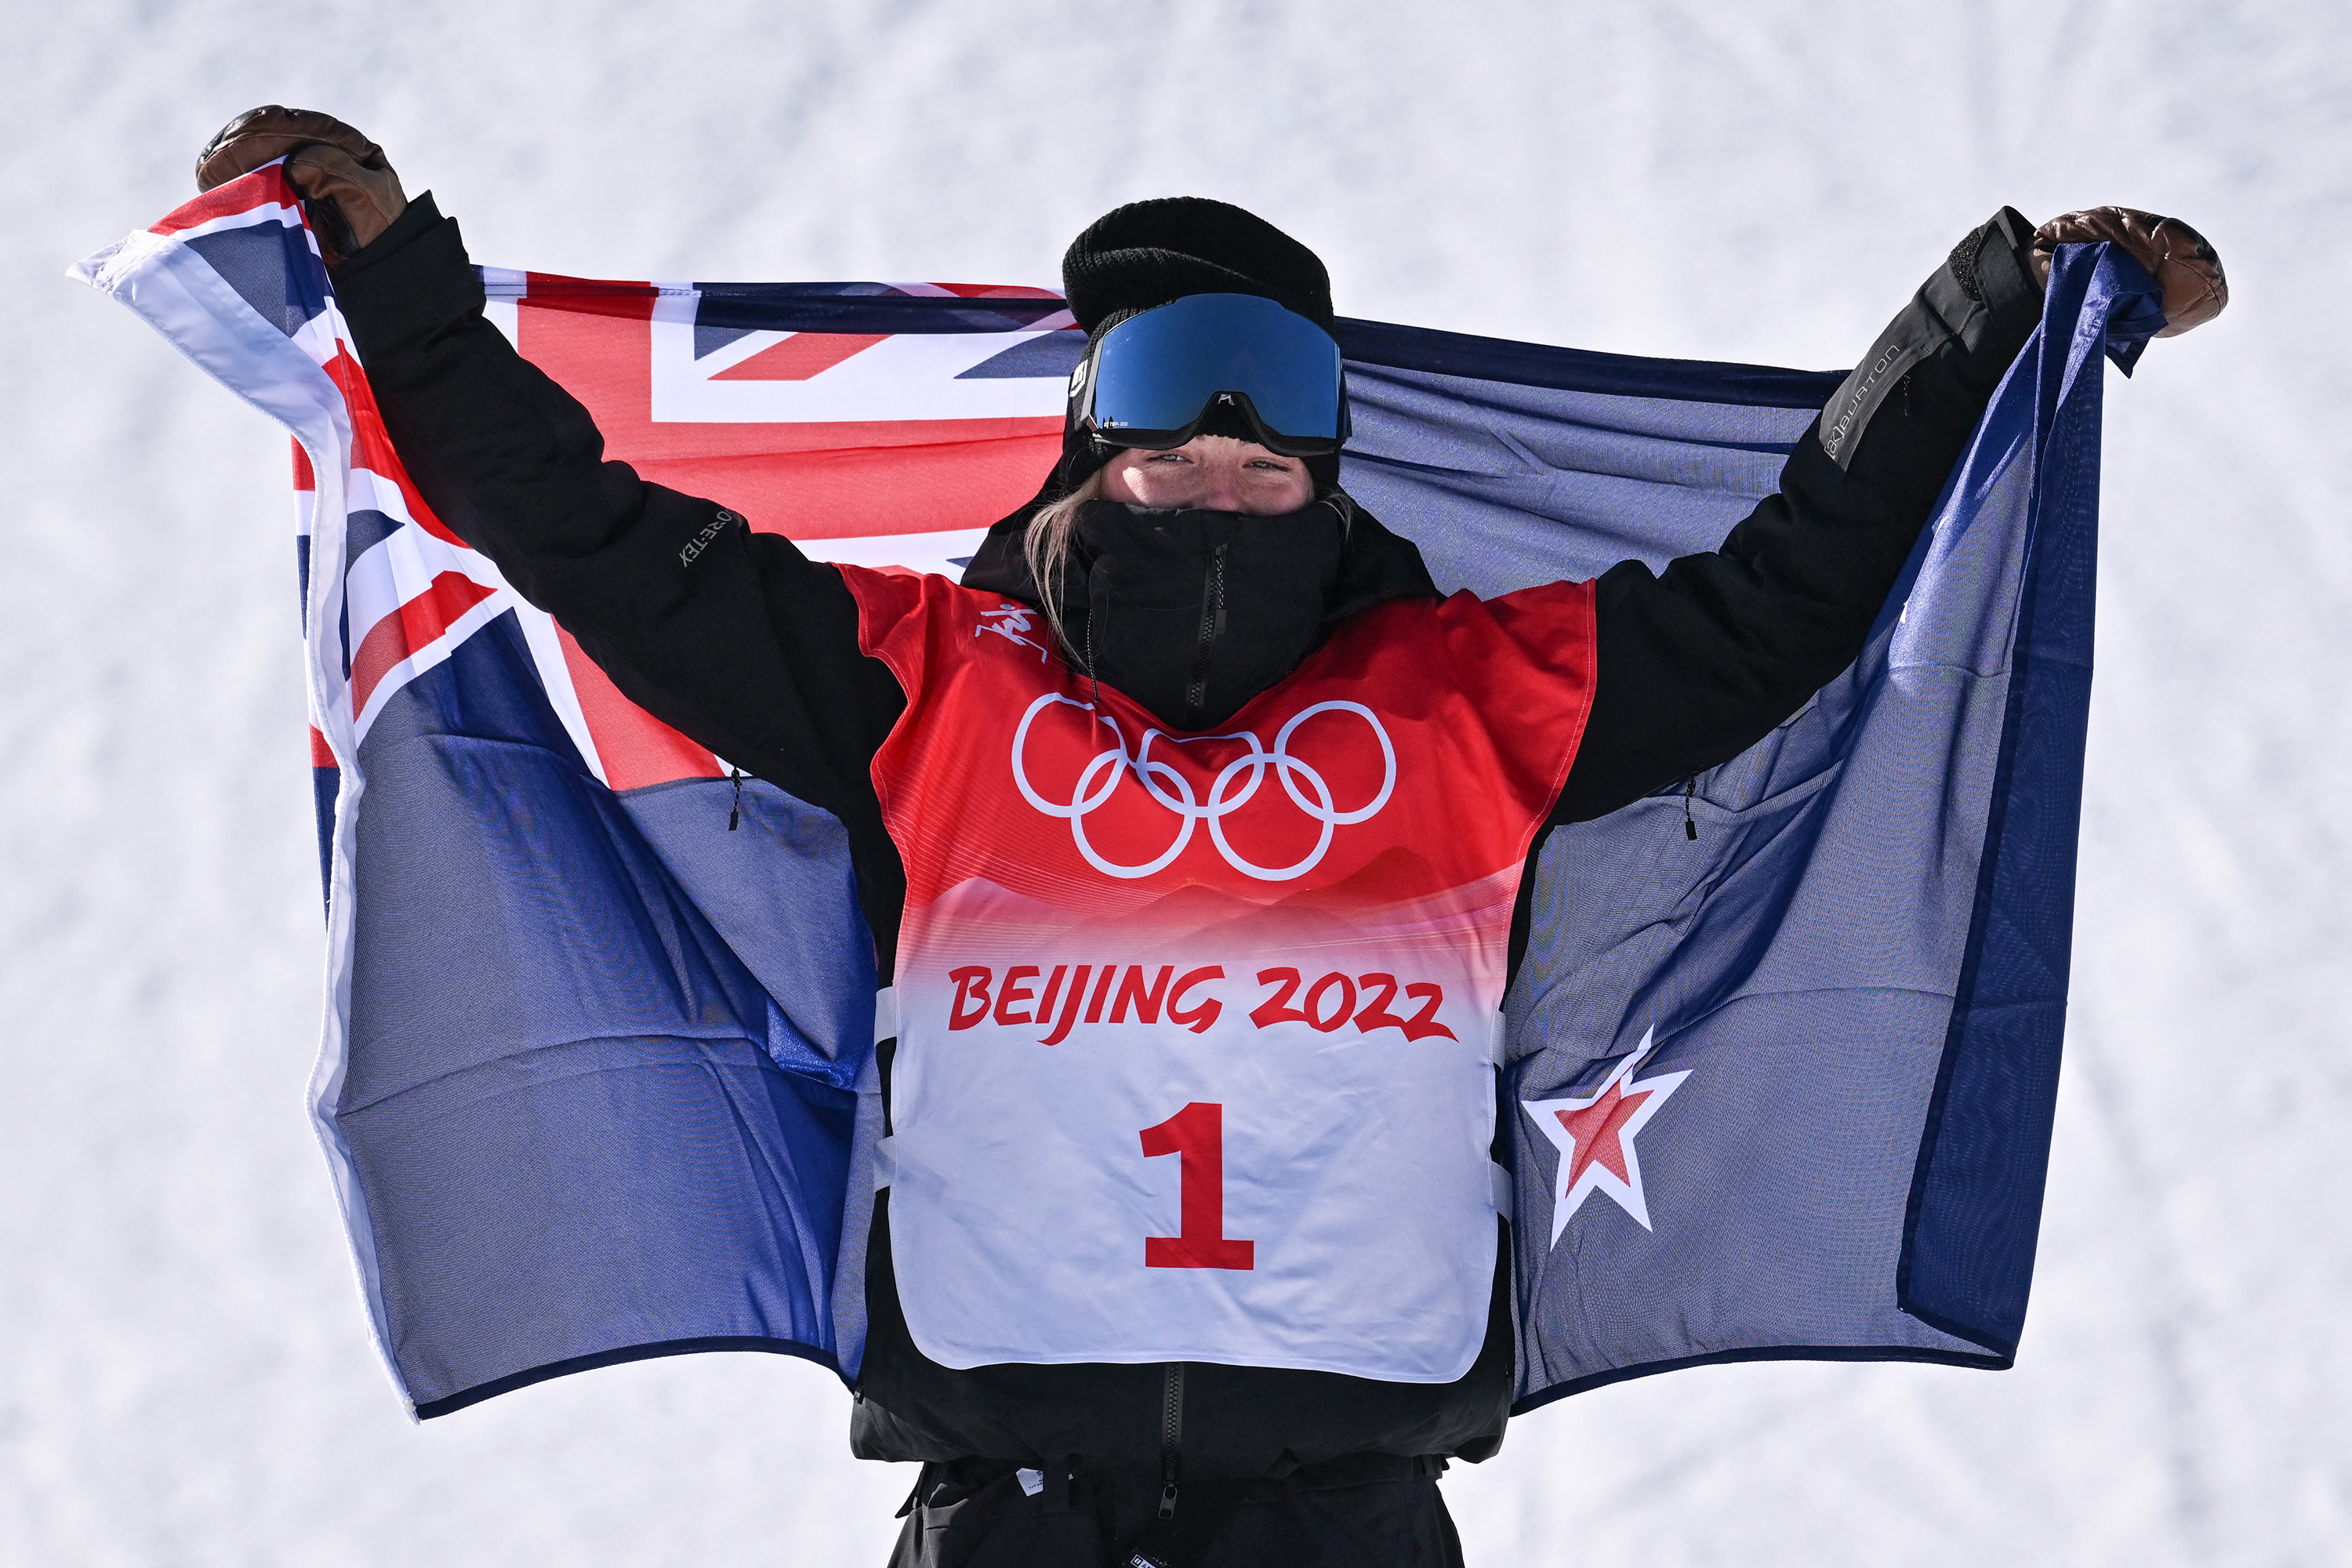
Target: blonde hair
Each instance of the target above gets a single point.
(1046, 547)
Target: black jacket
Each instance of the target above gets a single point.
(750, 648)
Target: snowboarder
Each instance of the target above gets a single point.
(1207, 657)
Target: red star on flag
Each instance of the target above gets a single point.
(1595, 1134)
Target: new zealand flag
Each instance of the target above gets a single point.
(594, 1066)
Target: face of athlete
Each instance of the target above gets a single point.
(1211, 473)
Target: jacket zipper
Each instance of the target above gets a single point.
(1171, 1429)
(1212, 626)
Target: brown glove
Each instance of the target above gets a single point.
(354, 193)
(2183, 265)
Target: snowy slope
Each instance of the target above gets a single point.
(187, 1377)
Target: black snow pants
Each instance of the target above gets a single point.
(1364, 1511)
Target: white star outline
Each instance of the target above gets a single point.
(1596, 1177)
(1008, 621)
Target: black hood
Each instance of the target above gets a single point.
(1193, 613)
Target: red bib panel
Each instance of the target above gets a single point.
(1197, 1033)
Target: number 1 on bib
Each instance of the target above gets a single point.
(1196, 1136)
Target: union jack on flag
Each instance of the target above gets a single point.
(596, 1074)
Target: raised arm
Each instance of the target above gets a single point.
(735, 638)
(1698, 663)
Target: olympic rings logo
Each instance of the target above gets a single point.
(1235, 784)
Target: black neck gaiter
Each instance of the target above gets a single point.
(1194, 613)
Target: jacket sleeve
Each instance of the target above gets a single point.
(734, 638)
(1698, 663)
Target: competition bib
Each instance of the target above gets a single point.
(1197, 1032)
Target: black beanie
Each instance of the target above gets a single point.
(1150, 253)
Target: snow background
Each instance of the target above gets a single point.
(186, 1375)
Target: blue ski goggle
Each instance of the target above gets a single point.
(1155, 379)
